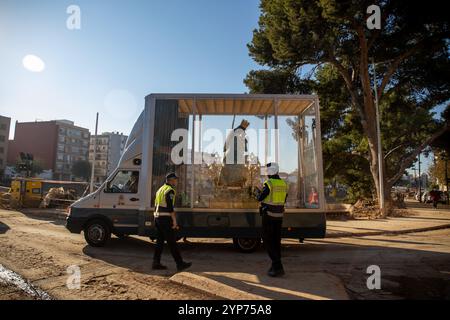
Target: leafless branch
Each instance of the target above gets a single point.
(407, 162)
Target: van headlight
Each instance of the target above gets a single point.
(68, 210)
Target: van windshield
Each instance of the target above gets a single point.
(124, 181)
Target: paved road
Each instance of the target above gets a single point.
(415, 265)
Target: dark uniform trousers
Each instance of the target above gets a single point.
(166, 233)
(272, 239)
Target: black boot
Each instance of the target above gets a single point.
(158, 266)
(183, 266)
(276, 272)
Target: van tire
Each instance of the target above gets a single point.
(97, 233)
(247, 245)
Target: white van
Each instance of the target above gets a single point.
(184, 133)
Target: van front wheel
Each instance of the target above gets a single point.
(97, 233)
(246, 245)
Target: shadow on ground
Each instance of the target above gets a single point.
(313, 269)
(59, 221)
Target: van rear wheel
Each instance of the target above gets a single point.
(97, 233)
(246, 245)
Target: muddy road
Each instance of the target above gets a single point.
(42, 250)
(415, 265)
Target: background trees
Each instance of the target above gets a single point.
(410, 52)
(31, 168)
(82, 169)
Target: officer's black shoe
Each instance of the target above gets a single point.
(280, 272)
(158, 266)
(183, 266)
(276, 272)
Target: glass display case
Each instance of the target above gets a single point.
(217, 145)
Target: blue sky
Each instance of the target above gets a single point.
(124, 51)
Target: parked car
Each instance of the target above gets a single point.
(427, 199)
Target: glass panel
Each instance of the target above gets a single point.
(170, 123)
(289, 151)
(219, 164)
(124, 182)
(309, 156)
(231, 158)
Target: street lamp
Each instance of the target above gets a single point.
(91, 185)
(380, 156)
(420, 182)
(415, 184)
(444, 156)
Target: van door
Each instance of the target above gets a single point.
(119, 201)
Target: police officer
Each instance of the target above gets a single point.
(273, 197)
(166, 224)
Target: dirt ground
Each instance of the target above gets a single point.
(42, 250)
(415, 265)
(10, 292)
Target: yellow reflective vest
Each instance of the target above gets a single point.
(278, 191)
(160, 199)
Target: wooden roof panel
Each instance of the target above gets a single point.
(228, 106)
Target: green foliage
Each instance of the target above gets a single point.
(34, 167)
(439, 168)
(81, 169)
(277, 81)
(345, 149)
(446, 114)
(411, 52)
(298, 32)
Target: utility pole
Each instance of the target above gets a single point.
(380, 156)
(446, 176)
(95, 155)
(420, 183)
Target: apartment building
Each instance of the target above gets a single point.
(109, 148)
(56, 144)
(4, 136)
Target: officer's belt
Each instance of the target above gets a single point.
(161, 214)
(275, 215)
(158, 213)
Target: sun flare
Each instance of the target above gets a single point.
(33, 63)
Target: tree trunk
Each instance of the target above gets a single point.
(389, 204)
(366, 108)
(369, 121)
